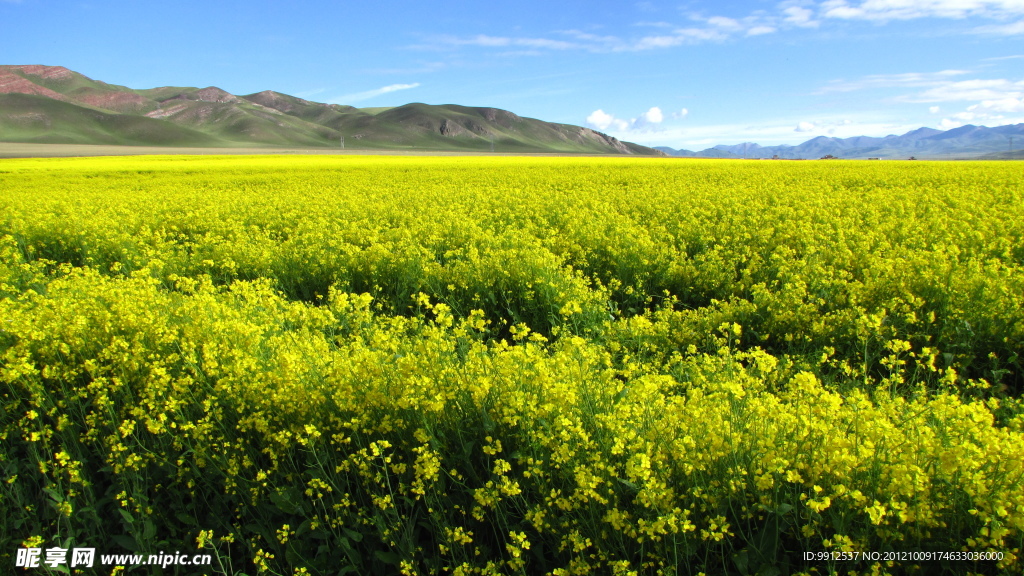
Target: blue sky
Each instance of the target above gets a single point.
(686, 74)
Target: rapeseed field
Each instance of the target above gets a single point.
(477, 365)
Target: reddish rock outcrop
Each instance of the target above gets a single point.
(46, 72)
(11, 83)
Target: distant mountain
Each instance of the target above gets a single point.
(51, 104)
(963, 142)
(673, 152)
(1008, 155)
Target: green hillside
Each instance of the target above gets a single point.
(243, 122)
(55, 105)
(28, 118)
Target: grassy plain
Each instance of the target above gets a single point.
(480, 365)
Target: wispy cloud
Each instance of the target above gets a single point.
(970, 90)
(876, 81)
(829, 127)
(800, 16)
(1014, 29)
(993, 98)
(360, 96)
(991, 112)
(585, 41)
(789, 15)
(310, 93)
(885, 10)
(654, 24)
(484, 40)
(995, 101)
(664, 35)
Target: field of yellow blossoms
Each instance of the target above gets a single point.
(476, 365)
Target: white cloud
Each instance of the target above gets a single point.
(788, 15)
(588, 42)
(806, 127)
(654, 24)
(725, 23)
(885, 10)
(965, 90)
(650, 42)
(992, 99)
(679, 37)
(800, 16)
(909, 79)
(755, 24)
(1002, 29)
(600, 119)
(501, 41)
(588, 37)
(646, 123)
(668, 35)
(988, 112)
(1004, 106)
(360, 96)
(487, 41)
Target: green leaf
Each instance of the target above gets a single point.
(632, 486)
(293, 557)
(126, 542)
(742, 562)
(126, 515)
(288, 501)
(54, 495)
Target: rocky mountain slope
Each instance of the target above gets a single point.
(51, 104)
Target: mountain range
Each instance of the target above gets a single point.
(965, 142)
(54, 105)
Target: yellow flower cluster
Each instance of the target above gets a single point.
(512, 366)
